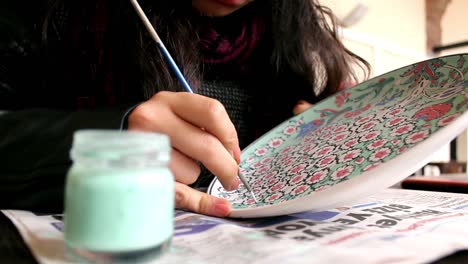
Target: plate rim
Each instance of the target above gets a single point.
(439, 138)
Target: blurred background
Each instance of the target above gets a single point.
(393, 34)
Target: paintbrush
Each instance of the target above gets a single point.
(176, 69)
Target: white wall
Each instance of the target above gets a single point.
(398, 23)
(455, 25)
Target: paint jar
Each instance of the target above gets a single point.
(119, 197)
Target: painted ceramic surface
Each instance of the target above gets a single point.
(352, 132)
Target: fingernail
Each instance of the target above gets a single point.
(221, 207)
(237, 154)
(235, 184)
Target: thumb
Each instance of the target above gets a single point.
(301, 106)
(200, 202)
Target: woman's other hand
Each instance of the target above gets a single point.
(301, 106)
(200, 130)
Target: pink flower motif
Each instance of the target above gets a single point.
(326, 135)
(256, 165)
(328, 128)
(261, 151)
(380, 154)
(242, 170)
(267, 160)
(273, 197)
(339, 137)
(371, 166)
(277, 186)
(340, 128)
(249, 201)
(370, 136)
(447, 120)
(324, 151)
(317, 176)
(359, 160)
(286, 149)
(328, 161)
(363, 120)
(287, 161)
(402, 149)
(341, 98)
(395, 112)
(262, 170)
(308, 148)
(417, 137)
(401, 130)
(395, 121)
(300, 122)
(297, 169)
(289, 130)
(350, 155)
(249, 159)
(396, 141)
(342, 172)
(275, 143)
(376, 144)
(273, 181)
(297, 179)
(366, 126)
(270, 175)
(301, 189)
(349, 144)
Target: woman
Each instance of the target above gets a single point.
(91, 64)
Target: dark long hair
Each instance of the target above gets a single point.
(303, 34)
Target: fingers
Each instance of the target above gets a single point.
(206, 113)
(203, 146)
(181, 115)
(185, 169)
(301, 106)
(199, 202)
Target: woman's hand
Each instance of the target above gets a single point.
(200, 130)
(301, 106)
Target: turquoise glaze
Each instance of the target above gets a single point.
(119, 192)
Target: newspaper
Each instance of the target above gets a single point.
(393, 226)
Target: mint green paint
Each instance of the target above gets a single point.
(118, 210)
(113, 205)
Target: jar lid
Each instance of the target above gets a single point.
(111, 144)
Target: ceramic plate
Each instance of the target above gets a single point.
(355, 143)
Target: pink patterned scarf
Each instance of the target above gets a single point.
(231, 40)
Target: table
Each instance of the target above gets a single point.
(14, 250)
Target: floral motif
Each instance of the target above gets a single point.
(318, 176)
(342, 172)
(447, 120)
(416, 137)
(350, 155)
(395, 121)
(353, 132)
(380, 154)
(431, 112)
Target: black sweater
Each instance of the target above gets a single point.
(45, 97)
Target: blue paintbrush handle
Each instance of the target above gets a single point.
(174, 67)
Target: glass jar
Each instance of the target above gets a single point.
(119, 197)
